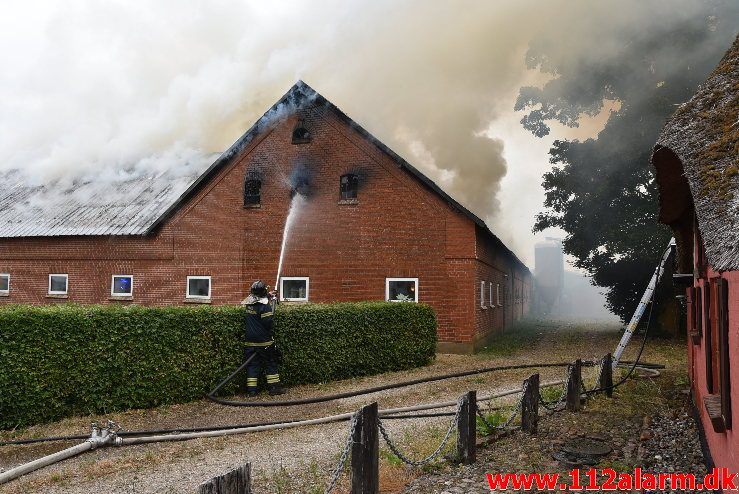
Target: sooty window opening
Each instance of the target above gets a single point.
(348, 186)
(300, 133)
(401, 289)
(121, 286)
(294, 288)
(252, 191)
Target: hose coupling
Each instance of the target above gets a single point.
(102, 437)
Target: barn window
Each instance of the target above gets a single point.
(300, 133)
(198, 287)
(294, 288)
(4, 284)
(121, 286)
(492, 305)
(348, 186)
(497, 294)
(401, 289)
(58, 284)
(252, 191)
(482, 295)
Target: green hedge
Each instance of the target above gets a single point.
(63, 360)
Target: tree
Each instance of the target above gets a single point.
(601, 191)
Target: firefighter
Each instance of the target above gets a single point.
(260, 341)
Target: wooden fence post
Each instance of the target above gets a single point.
(574, 386)
(530, 405)
(606, 375)
(366, 453)
(236, 481)
(467, 429)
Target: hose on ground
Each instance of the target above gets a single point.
(350, 394)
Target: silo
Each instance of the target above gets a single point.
(549, 273)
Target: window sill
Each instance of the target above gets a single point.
(57, 295)
(348, 202)
(712, 403)
(695, 337)
(197, 301)
(484, 307)
(252, 206)
(122, 298)
(4, 294)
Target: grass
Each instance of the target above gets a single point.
(551, 393)
(522, 335)
(494, 419)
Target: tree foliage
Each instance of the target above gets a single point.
(601, 191)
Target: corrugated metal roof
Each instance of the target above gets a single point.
(128, 206)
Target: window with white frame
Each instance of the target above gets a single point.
(497, 294)
(4, 283)
(294, 288)
(198, 287)
(482, 295)
(58, 284)
(121, 285)
(491, 294)
(401, 289)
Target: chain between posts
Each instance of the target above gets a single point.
(600, 374)
(417, 463)
(513, 413)
(562, 396)
(344, 456)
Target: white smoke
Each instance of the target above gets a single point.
(104, 90)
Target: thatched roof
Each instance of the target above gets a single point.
(704, 136)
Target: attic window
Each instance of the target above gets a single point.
(348, 186)
(252, 191)
(300, 133)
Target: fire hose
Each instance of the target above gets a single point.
(109, 437)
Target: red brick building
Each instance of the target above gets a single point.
(371, 227)
(697, 160)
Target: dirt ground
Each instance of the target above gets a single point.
(300, 460)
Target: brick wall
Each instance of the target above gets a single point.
(398, 227)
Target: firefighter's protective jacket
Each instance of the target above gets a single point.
(258, 325)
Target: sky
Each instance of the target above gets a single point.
(100, 90)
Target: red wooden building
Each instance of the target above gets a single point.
(697, 169)
(370, 227)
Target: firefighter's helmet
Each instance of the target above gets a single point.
(259, 289)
